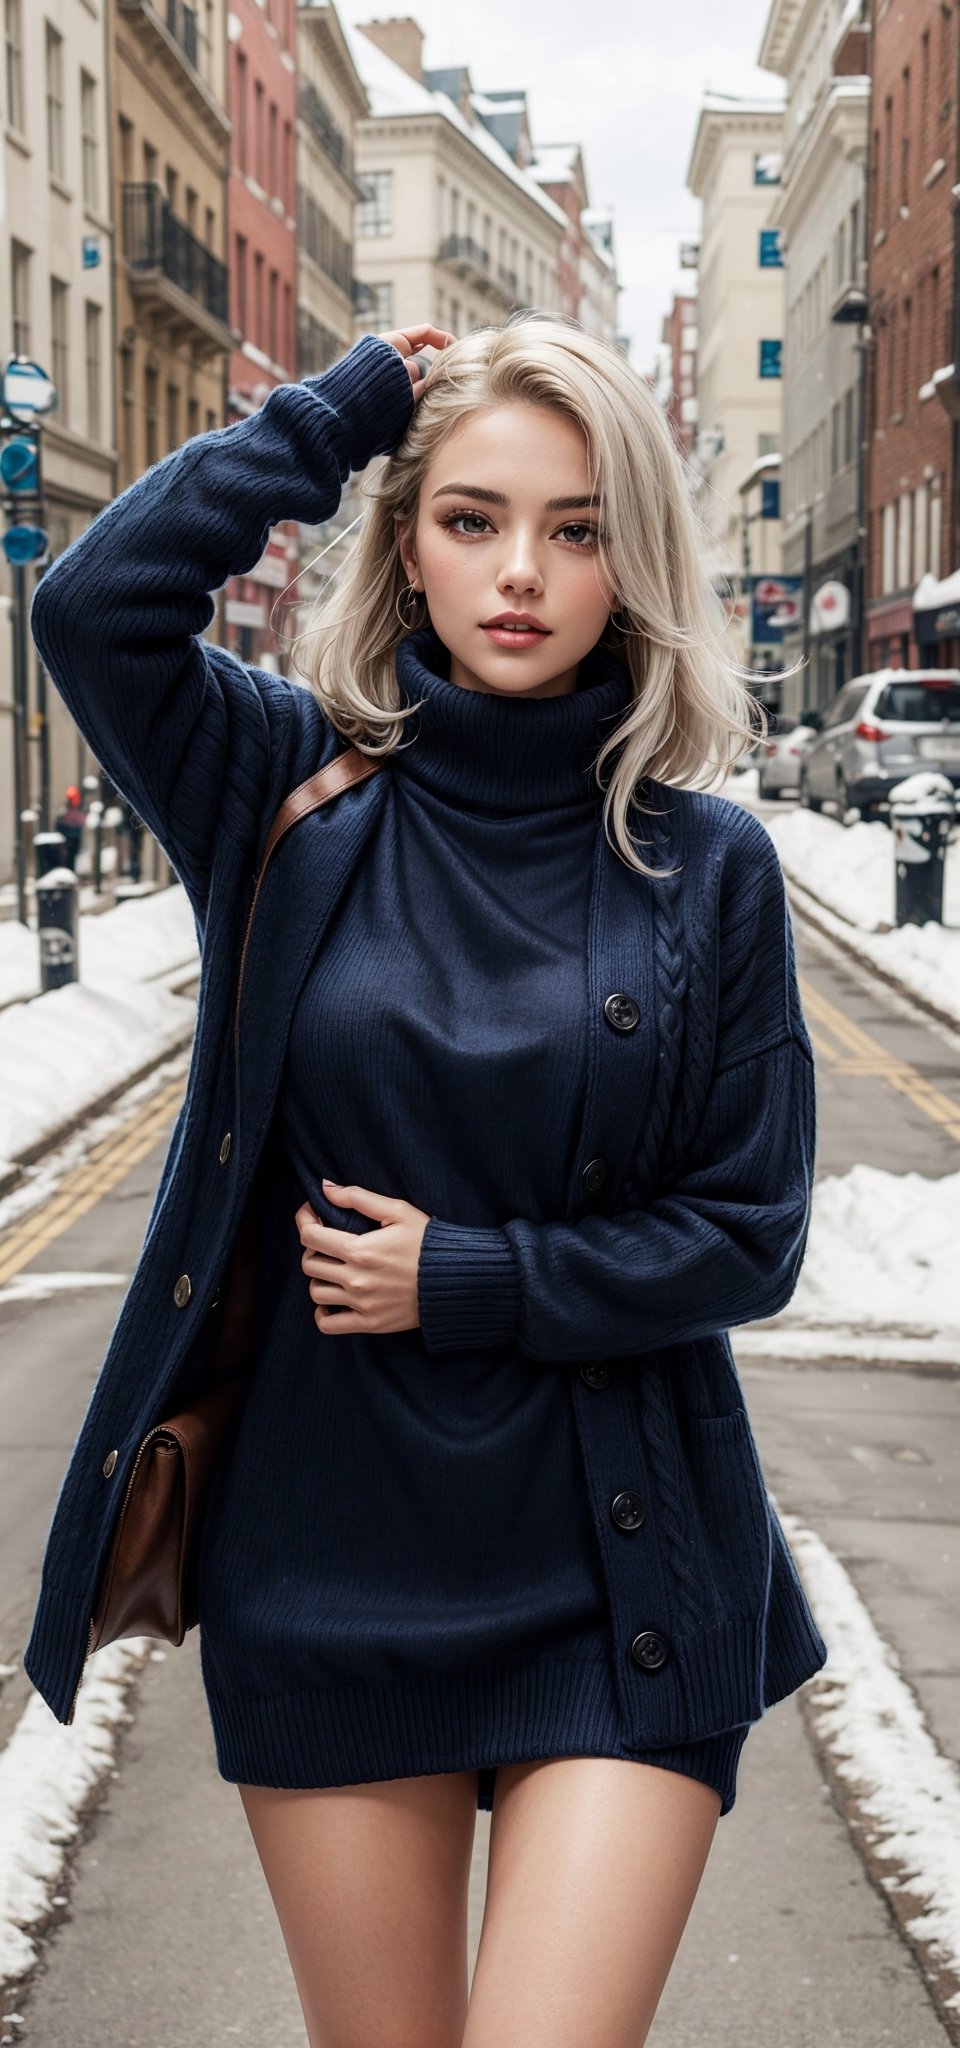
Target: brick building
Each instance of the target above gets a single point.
(912, 393)
(679, 335)
(263, 273)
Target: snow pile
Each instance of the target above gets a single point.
(879, 1275)
(142, 938)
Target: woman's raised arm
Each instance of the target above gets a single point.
(183, 728)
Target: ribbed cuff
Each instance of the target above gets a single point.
(370, 391)
(468, 1287)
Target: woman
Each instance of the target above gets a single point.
(541, 1128)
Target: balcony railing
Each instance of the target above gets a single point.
(154, 239)
(363, 296)
(324, 128)
(463, 250)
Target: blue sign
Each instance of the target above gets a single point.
(767, 167)
(24, 544)
(91, 251)
(770, 497)
(26, 389)
(771, 251)
(774, 598)
(771, 359)
(20, 465)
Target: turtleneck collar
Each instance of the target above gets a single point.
(508, 754)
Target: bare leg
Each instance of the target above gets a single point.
(594, 1865)
(370, 1888)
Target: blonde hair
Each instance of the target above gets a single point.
(693, 713)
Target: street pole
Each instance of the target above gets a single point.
(807, 583)
(18, 626)
(26, 393)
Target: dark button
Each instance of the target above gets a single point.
(594, 1175)
(649, 1650)
(183, 1290)
(622, 1012)
(225, 1143)
(596, 1373)
(627, 1510)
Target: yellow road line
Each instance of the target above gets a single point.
(105, 1165)
(861, 1054)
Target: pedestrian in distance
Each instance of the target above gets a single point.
(70, 821)
(521, 1068)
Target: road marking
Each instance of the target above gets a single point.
(848, 1049)
(80, 1190)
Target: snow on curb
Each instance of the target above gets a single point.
(47, 1772)
(905, 1792)
(141, 938)
(66, 1051)
(879, 1273)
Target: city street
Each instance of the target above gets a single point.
(793, 1942)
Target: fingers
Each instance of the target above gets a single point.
(424, 336)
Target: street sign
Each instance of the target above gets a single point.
(91, 251)
(26, 390)
(24, 544)
(20, 465)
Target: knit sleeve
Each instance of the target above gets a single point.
(183, 728)
(722, 1239)
(724, 1246)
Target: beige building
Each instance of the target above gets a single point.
(171, 154)
(55, 306)
(452, 229)
(735, 170)
(820, 210)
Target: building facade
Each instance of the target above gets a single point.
(680, 339)
(56, 306)
(913, 393)
(820, 210)
(453, 230)
(262, 245)
(171, 156)
(735, 169)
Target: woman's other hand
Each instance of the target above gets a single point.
(409, 341)
(370, 1277)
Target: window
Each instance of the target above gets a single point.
(771, 359)
(912, 702)
(190, 209)
(258, 306)
(887, 159)
(20, 297)
(920, 531)
(173, 416)
(767, 167)
(259, 135)
(240, 107)
(935, 548)
(905, 358)
(273, 317)
(273, 159)
(172, 181)
(54, 62)
(849, 425)
(835, 438)
(856, 229)
(375, 212)
(925, 99)
(13, 35)
(770, 256)
(383, 303)
(151, 392)
(240, 282)
(59, 345)
(126, 150)
(128, 399)
(904, 539)
(149, 164)
(93, 352)
(211, 228)
(888, 550)
(89, 141)
(905, 143)
(193, 417)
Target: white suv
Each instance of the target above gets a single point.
(879, 729)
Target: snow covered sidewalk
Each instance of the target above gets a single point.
(64, 1053)
(846, 873)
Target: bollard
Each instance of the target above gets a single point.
(95, 822)
(49, 851)
(58, 928)
(922, 812)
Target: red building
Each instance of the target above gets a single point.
(679, 332)
(261, 217)
(912, 385)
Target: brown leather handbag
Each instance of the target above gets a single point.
(148, 1585)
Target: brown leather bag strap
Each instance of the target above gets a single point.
(341, 773)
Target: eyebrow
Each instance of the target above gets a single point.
(497, 497)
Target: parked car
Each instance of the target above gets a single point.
(779, 763)
(881, 728)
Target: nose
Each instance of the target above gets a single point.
(519, 572)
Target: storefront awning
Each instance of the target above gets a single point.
(936, 605)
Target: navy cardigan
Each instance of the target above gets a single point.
(689, 1210)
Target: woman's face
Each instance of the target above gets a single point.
(505, 523)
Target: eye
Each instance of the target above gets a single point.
(581, 526)
(452, 520)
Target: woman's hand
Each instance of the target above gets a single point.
(409, 341)
(371, 1278)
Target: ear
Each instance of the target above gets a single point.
(408, 555)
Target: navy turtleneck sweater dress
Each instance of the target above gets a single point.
(435, 1599)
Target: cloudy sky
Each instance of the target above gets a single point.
(622, 77)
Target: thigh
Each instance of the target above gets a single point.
(370, 1888)
(594, 1864)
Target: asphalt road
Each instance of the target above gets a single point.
(168, 1936)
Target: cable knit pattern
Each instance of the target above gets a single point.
(674, 1193)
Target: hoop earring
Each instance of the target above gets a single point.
(405, 594)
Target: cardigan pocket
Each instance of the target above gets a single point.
(730, 1508)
